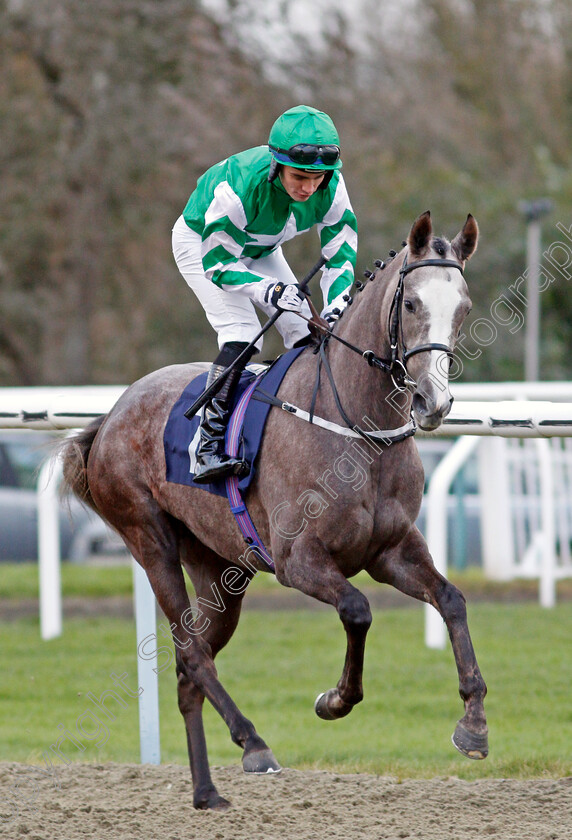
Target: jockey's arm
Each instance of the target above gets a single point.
(338, 238)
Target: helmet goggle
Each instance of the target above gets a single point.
(307, 154)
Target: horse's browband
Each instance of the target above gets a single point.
(407, 267)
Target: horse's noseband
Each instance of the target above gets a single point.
(398, 367)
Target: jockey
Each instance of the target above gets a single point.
(227, 245)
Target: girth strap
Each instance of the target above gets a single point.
(237, 506)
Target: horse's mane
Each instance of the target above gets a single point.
(439, 244)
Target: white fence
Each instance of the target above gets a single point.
(69, 408)
(525, 495)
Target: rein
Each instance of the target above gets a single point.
(391, 436)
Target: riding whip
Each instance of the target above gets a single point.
(219, 381)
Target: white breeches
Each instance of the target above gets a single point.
(231, 314)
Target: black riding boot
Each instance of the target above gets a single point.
(212, 461)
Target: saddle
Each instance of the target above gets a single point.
(244, 437)
(180, 438)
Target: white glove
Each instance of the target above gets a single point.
(283, 296)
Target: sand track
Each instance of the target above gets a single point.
(134, 802)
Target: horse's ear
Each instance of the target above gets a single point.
(420, 235)
(464, 244)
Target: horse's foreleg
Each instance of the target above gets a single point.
(471, 733)
(311, 570)
(355, 614)
(409, 568)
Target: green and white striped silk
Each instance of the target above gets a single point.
(241, 217)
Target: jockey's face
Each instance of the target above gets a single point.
(299, 183)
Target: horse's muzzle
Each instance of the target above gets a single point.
(428, 414)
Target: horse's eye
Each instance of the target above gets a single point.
(409, 305)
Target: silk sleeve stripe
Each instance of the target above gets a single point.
(333, 288)
(232, 275)
(218, 240)
(343, 241)
(226, 203)
(340, 205)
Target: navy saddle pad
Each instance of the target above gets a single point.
(181, 436)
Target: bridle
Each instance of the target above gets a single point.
(396, 366)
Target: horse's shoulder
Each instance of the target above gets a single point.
(302, 372)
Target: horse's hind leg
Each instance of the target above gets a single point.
(191, 701)
(216, 617)
(156, 541)
(155, 545)
(410, 569)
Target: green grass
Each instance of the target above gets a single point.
(20, 580)
(276, 665)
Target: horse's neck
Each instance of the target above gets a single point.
(364, 324)
(367, 391)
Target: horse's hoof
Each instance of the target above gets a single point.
(221, 804)
(211, 802)
(332, 710)
(260, 762)
(470, 743)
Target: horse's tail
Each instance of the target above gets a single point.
(75, 453)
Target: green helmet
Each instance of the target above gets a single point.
(305, 139)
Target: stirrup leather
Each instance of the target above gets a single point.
(212, 461)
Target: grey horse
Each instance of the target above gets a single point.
(330, 498)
